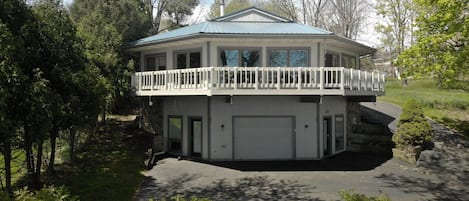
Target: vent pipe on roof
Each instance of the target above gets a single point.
(222, 7)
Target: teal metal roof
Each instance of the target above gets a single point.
(243, 28)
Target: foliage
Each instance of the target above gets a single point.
(442, 46)
(179, 10)
(397, 24)
(351, 196)
(412, 129)
(4, 196)
(104, 27)
(47, 193)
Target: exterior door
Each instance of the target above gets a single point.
(327, 135)
(196, 136)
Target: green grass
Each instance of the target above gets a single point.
(18, 167)
(110, 168)
(449, 107)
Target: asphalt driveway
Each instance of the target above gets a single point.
(297, 180)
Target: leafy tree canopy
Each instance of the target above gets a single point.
(442, 46)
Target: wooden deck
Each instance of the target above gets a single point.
(259, 81)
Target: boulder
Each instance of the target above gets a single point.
(429, 158)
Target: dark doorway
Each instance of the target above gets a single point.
(327, 135)
(195, 129)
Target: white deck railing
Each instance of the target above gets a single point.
(259, 80)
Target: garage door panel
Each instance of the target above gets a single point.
(263, 138)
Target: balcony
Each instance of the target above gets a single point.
(210, 81)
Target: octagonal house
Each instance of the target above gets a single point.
(251, 85)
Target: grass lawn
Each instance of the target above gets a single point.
(18, 166)
(449, 107)
(110, 167)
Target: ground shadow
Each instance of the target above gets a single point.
(441, 190)
(346, 161)
(246, 188)
(448, 160)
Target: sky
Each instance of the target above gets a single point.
(368, 36)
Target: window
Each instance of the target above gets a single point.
(150, 63)
(161, 61)
(175, 134)
(189, 59)
(332, 60)
(240, 57)
(155, 62)
(349, 61)
(339, 133)
(288, 58)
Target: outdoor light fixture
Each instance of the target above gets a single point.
(150, 103)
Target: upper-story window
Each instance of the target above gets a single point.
(243, 57)
(349, 61)
(289, 58)
(332, 59)
(155, 62)
(188, 59)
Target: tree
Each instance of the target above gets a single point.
(313, 12)
(105, 26)
(14, 20)
(8, 81)
(230, 7)
(286, 8)
(156, 8)
(442, 45)
(171, 14)
(396, 28)
(347, 16)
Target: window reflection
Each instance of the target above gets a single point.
(240, 57)
(288, 58)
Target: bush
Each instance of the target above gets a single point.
(351, 196)
(49, 193)
(4, 196)
(412, 129)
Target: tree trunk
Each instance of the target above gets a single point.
(28, 143)
(103, 121)
(7, 161)
(53, 141)
(72, 144)
(37, 174)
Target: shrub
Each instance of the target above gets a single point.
(412, 129)
(47, 193)
(4, 196)
(351, 196)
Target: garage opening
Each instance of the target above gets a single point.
(263, 138)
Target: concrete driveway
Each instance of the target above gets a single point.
(297, 180)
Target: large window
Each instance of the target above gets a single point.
(175, 134)
(339, 133)
(349, 61)
(155, 62)
(240, 57)
(288, 58)
(188, 59)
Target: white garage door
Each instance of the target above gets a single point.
(263, 138)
